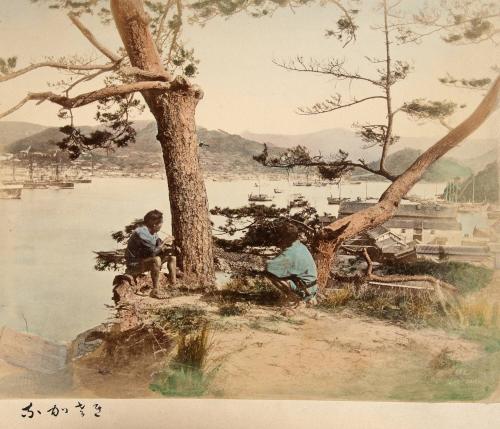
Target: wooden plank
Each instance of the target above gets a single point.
(400, 285)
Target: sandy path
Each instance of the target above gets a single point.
(328, 356)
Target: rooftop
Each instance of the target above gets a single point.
(431, 249)
(432, 211)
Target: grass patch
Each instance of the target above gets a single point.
(338, 298)
(183, 318)
(465, 277)
(404, 306)
(232, 309)
(187, 374)
(442, 360)
(475, 311)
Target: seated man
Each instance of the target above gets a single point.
(146, 252)
(294, 269)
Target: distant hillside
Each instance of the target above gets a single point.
(331, 140)
(326, 142)
(43, 141)
(222, 152)
(485, 187)
(480, 162)
(11, 131)
(441, 171)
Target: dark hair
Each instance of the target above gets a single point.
(152, 217)
(288, 233)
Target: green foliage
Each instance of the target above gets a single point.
(207, 9)
(466, 83)
(115, 261)
(261, 225)
(426, 109)
(116, 127)
(474, 30)
(465, 277)
(375, 135)
(79, 7)
(7, 65)
(299, 156)
(124, 235)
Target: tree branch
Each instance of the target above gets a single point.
(333, 68)
(395, 278)
(322, 107)
(57, 65)
(89, 97)
(92, 39)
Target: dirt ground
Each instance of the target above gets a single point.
(310, 354)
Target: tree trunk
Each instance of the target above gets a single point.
(175, 116)
(331, 237)
(174, 111)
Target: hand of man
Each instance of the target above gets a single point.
(167, 241)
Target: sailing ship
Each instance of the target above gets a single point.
(58, 182)
(260, 197)
(337, 200)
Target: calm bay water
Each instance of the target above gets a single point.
(48, 285)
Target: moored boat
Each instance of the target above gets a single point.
(10, 192)
(33, 184)
(336, 200)
(61, 185)
(259, 197)
(297, 201)
(81, 180)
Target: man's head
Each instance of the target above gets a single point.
(287, 234)
(153, 220)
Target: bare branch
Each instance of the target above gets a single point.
(89, 97)
(444, 124)
(395, 278)
(85, 78)
(16, 107)
(56, 65)
(331, 105)
(92, 39)
(161, 25)
(333, 68)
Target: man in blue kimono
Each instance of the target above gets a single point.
(294, 269)
(147, 252)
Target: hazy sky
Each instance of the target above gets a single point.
(244, 90)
